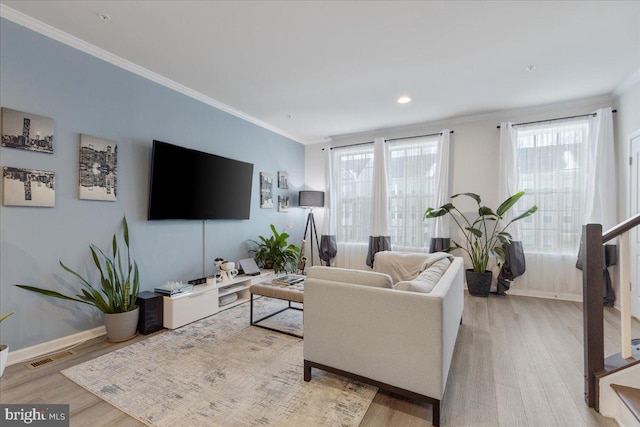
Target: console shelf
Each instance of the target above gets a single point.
(204, 300)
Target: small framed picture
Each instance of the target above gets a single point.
(266, 190)
(27, 131)
(283, 180)
(283, 203)
(98, 168)
(28, 187)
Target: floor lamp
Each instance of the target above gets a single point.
(310, 200)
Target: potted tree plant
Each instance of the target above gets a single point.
(115, 294)
(274, 252)
(4, 349)
(484, 236)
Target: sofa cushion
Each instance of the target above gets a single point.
(345, 275)
(427, 280)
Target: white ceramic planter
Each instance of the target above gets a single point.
(121, 326)
(4, 354)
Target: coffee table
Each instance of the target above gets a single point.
(289, 293)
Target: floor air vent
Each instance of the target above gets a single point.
(49, 359)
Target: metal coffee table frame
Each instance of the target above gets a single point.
(289, 307)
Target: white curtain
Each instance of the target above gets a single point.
(380, 204)
(601, 203)
(351, 200)
(548, 161)
(352, 255)
(412, 186)
(380, 237)
(443, 189)
(328, 235)
(508, 173)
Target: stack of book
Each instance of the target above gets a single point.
(174, 288)
(289, 279)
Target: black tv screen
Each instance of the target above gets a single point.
(191, 184)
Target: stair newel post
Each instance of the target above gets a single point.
(592, 306)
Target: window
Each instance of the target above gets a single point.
(353, 185)
(411, 169)
(412, 187)
(551, 171)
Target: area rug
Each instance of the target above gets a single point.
(221, 372)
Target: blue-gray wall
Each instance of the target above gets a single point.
(86, 95)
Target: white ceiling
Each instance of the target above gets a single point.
(310, 70)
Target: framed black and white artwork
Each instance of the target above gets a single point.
(27, 131)
(28, 187)
(266, 190)
(283, 180)
(98, 168)
(283, 203)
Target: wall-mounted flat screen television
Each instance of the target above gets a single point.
(191, 184)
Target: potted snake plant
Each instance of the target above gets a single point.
(114, 294)
(4, 349)
(485, 237)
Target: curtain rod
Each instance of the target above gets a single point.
(411, 137)
(350, 145)
(559, 118)
(386, 140)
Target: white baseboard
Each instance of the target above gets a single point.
(543, 294)
(552, 295)
(52, 346)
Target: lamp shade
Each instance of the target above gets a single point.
(311, 199)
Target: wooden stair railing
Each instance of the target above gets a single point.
(593, 311)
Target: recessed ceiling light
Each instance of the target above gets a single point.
(404, 100)
(104, 17)
(531, 68)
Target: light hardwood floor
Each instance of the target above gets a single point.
(517, 362)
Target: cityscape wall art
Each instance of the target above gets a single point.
(98, 168)
(28, 187)
(27, 131)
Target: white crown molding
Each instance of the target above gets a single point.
(83, 46)
(437, 125)
(627, 83)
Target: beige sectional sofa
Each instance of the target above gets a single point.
(357, 325)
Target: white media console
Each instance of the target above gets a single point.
(205, 300)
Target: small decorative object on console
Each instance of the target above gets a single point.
(289, 279)
(227, 265)
(173, 288)
(200, 281)
(249, 267)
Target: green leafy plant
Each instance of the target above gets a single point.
(484, 236)
(119, 279)
(4, 316)
(274, 252)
